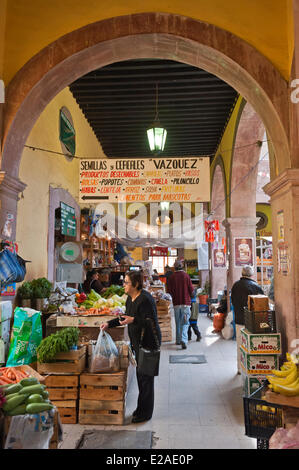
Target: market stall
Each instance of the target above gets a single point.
(271, 387)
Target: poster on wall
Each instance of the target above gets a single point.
(7, 229)
(219, 258)
(243, 249)
(283, 259)
(145, 180)
(280, 226)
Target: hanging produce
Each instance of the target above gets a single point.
(211, 227)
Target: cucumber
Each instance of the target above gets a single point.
(31, 389)
(45, 394)
(35, 398)
(13, 403)
(18, 410)
(13, 388)
(29, 381)
(12, 395)
(34, 408)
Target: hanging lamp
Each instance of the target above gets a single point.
(156, 134)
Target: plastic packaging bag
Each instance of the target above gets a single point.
(26, 337)
(105, 357)
(31, 431)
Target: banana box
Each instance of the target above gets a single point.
(253, 343)
(251, 383)
(257, 364)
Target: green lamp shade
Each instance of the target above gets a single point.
(156, 138)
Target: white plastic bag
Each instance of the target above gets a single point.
(227, 332)
(105, 357)
(31, 431)
(229, 318)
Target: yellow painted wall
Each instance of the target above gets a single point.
(32, 25)
(39, 170)
(3, 6)
(225, 149)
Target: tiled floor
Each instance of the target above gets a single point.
(197, 406)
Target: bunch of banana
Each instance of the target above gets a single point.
(286, 380)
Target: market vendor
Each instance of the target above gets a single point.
(93, 282)
(104, 277)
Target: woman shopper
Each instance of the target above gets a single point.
(143, 327)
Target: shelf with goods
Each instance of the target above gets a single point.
(264, 262)
(98, 252)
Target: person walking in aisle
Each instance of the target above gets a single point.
(193, 319)
(143, 328)
(239, 295)
(181, 290)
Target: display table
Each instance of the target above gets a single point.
(89, 326)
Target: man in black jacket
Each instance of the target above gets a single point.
(240, 291)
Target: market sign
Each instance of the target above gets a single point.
(68, 220)
(145, 180)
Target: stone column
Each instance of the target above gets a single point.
(218, 274)
(239, 227)
(284, 193)
(10, 188)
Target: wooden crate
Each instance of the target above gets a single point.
(101, 412)
(107, 386)
(62, 387)
(72, 362)
(123, 350)
(64, 394)
(102, 398)
(279, 399)
(67, 410)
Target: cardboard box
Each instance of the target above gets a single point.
(258, 303)
(251, 383)
(258, 364)
(258, 343)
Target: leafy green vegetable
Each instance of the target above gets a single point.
(61, 341)
(41, 288)
(113, 290)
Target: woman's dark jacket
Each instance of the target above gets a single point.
(94, 284)
(144, 311)
(240, 292)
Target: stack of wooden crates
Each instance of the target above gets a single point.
(83, 397)
(62, 382)
(164, 319)
(260, 343)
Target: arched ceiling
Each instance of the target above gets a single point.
(119, 102)
(30, 26)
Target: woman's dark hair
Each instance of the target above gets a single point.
(136, 278)
(90, 273)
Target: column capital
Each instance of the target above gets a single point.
(287, 179)
(11, 186)
(240, 222)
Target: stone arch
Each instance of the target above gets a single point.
(218, 190)
(218, 211)
(155, 35)
(244, 164)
